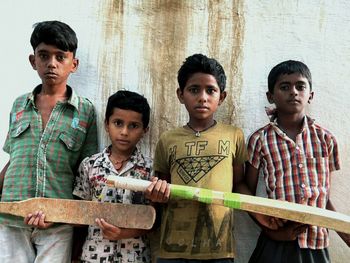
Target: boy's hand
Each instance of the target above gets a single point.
(110, 232)
(268, 221)
(158, 191)
(37, 220)
(345, 237)
(288, 232)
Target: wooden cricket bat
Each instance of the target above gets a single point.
(84, 212)
(281, 209)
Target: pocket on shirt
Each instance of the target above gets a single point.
(318, 176)
(19, 128)
(318, 171)
(73, 139)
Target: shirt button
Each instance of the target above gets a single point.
(300, 165)
(297, 148)
(303, 185)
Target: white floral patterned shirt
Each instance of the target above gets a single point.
(91, 185)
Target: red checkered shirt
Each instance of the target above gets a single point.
(297, 171)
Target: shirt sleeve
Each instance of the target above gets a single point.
(7, 144)
(254, 150)
(333, 155)
(240, 155)
(82, 185)
(160, 163)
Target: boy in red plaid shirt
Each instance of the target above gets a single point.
(296, 157)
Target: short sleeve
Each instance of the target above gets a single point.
(240, 155)
(254, 150)
(160, 163)
(82, 186)
(333, 155)
(7, 144)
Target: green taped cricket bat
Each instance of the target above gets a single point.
(276, 208)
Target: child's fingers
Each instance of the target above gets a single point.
(167, 193)
(150, 188)
(158, 191)
(98, 222)
(104, 225)
(154, 179)
(37, 219)
(27, 218)
(42, 223)
(31, 219)
(162, 190)
(278, 221)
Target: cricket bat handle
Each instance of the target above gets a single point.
(128, 183)
(185, 192)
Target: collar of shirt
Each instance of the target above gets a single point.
(136, 159)
(72, 97)
(272, 114)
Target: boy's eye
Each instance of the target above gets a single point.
(301, 87)
(284, 87)
(118, 123)
(43, 56)
(211, 90)
(133, 126)
(60, 57)
(193, 90)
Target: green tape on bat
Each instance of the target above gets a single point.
(205, 196)
(185, 192)
(232, 200)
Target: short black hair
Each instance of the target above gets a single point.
(54, 33)
(129, 100)
(286, 68)
(199, 63)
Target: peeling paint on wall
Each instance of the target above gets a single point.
(166, 33)
(225, 41)
(110, 63)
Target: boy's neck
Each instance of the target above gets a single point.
(57, 90)
(200, 125)
(121, 155)
(291, 124)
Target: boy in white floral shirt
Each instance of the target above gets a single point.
(126, 121)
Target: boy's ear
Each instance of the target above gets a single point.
(75, 65)
(269, 97)
(222, 97)
(310, 97)
(32, 61)
(106, 126)
(180, 95)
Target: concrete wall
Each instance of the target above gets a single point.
(139, 45)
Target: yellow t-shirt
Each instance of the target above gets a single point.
(190, 229)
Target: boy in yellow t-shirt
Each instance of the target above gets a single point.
(202, 153)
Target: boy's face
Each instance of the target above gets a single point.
(201, 96)
(125, 129)
(291, 93)
(53, 64)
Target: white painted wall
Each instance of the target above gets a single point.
(139, 45)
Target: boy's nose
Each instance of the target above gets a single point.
(294, 90)
(51, 62)
(203, 96)
(124, 130)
